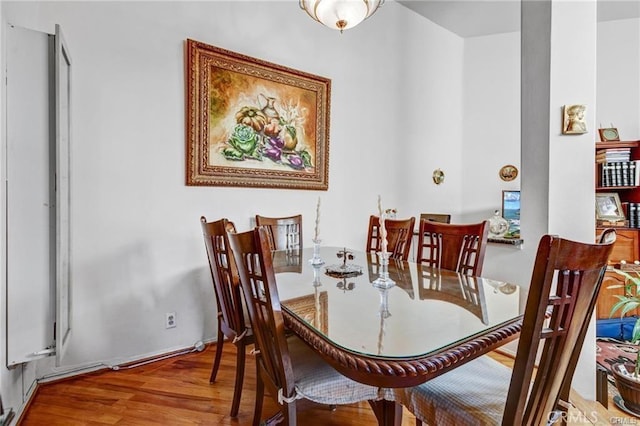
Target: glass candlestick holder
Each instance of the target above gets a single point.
(316, 259)
(383, 280)
(316, 275)
(384, 303)
(384, 314)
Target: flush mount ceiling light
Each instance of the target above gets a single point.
(340, 14)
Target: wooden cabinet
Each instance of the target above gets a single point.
(626, 247)
(607, 296)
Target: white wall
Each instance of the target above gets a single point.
(573, 81)
(430, 129)
(618, 91)
(491, 121)
(137, 248)
(491, 139)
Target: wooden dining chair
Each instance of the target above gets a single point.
(436, 217)
(399, 235)
(232, 323)
(564, 285)
(285, 233)
(287, 367)
(608, 236)
(457, 247)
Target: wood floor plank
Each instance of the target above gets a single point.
(141, 412)
(176, 391)
(69, 414)
(89, 391)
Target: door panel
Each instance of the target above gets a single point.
(30, 307)
(63, 201)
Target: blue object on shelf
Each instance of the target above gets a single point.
(616, 328)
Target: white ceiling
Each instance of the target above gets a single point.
(470, 18)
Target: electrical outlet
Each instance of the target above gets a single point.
(170, 320)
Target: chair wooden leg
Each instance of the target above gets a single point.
(290, 414)
(216, 362)
(237, 392)
(602, 386)
(257, 411)
(418, 422)
(386, 412)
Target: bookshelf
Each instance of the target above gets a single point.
(614, 175)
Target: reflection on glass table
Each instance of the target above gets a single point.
(450, 309)
(466, 291)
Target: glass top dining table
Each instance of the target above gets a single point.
(429, 322)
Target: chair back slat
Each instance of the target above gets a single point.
(224, 275)
(457, 247)
(566, 279)
(284, 233)
(399, 236)
(252, 253)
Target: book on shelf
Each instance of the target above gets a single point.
(624, 173)
(606, 174)
(613, 155)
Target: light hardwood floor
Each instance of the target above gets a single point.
(176, 391)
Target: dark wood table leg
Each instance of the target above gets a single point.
(388, 413)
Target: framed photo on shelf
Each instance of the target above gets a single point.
(609, 134)
(511, 212)
(608, 207)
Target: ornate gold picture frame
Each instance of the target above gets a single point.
(253, 123)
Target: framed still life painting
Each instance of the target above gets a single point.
(253, 123)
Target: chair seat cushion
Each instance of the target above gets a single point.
(472, 394)
(319, 382)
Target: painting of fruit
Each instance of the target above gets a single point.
(254, 123)
(260, 123)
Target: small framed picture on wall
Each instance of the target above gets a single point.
(573, 119)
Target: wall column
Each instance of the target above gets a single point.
(559, 68)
